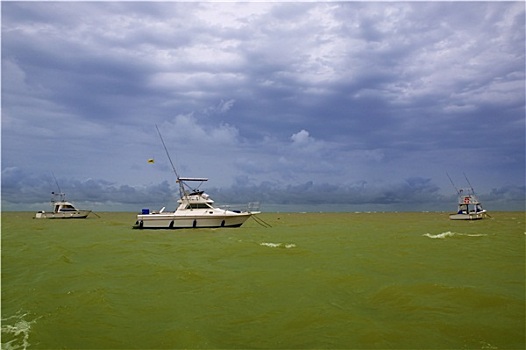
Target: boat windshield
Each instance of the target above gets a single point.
(198, 206)
(66, 207)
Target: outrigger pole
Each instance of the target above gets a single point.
(181, 188)
(471, 187)
(61, 195)
(56, 182)
(455, 187)
(168, 154)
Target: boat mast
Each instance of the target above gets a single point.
(181, 187)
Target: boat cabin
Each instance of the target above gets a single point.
(64, 207)
(195, 200)
(464, 203)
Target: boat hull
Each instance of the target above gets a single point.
(78, 214)
(469, 216)
(174, 221)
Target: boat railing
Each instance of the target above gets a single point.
(253, 206)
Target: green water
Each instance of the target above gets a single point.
(349, 280)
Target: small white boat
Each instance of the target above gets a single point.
(62, 209)
(469, 207)
(196, 210)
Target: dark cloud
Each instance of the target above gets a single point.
(279, 94)
(415, 191)
(23, 191)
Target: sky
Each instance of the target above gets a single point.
(301, 106)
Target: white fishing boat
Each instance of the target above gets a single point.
(469, 206)
(62, 209)
(195, 210)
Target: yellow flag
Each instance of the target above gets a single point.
(151, 160)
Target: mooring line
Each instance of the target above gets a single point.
(261, 221)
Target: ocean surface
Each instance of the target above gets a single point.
(312, 280)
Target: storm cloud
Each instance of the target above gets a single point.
(341, 103)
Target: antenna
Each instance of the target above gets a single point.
(455, 187)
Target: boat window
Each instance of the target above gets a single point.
(67, 207)
(198, 206)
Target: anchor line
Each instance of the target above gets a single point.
(261, 221)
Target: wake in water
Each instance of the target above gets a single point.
(452, 234)
(277, 245)
(15, 332)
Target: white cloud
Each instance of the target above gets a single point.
(301, 138)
